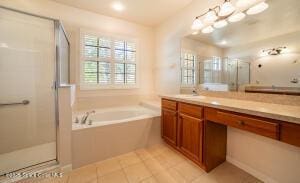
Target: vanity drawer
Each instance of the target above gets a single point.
(253, 124)
(169, 104)
(191, 110)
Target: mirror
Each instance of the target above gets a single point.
(260, 53)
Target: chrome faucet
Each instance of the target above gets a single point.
(195, 92)
(85, 117)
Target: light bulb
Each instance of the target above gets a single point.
(197, 24)
(195, 33)
(118, 6)
(245, 3)
(207, 30)
(210, 16)
(237, 17)
(226, 9)
(220, 24)
(257, 8)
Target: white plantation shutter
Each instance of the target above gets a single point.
(125, 67)
(109, 61)
(188, 65)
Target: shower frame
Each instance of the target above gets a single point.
(56, 84)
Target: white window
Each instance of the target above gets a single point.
(188, 67)
(108, 62)
(213, 70)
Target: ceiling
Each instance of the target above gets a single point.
(146, 12)
(282, 17)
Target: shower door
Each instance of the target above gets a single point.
(27, 93)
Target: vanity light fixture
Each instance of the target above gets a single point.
(226, 9)
(274, 51)
(219, 16)
(210, 16)
(220, 24)
(237, 17)
(245, 3)
(197, 24)
(208, 30)
(257, 8)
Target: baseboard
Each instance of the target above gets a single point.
(66, 168)
(250, 170)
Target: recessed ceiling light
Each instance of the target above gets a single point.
(223, 42)
(3, 45)
(118, 6)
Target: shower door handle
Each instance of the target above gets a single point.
(24, 102)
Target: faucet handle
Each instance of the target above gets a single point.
(90, 122)
(76, 120)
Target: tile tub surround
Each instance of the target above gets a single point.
(154, 164)
(273, 111)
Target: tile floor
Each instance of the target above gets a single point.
(156, 164)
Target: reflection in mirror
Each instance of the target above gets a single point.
(257, 54)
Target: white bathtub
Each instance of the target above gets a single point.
(114, 131)
(114, 115)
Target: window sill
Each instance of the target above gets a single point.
(187, 86)
(109, 87)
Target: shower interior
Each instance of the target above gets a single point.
(223, 73)
(34, 63)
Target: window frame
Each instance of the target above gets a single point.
(111, 60)
(184, 51)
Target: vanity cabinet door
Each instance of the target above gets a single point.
(169, 126)
(290, 133)
(190, 136)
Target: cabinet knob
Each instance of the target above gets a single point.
(241, 122)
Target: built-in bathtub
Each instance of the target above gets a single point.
(113, 131)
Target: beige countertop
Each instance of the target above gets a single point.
(268, 110)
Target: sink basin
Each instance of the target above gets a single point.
(190, 96)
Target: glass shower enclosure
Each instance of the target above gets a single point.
(223, 74)
(34, 61)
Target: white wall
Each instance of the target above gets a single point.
(267, 159)
(276, 70)
(74, 19)
(283, 166)
(200, 48)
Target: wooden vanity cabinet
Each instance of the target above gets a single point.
(190, 131)
(290, 133)
(200, 133)
(169, 122)
(258, 125)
